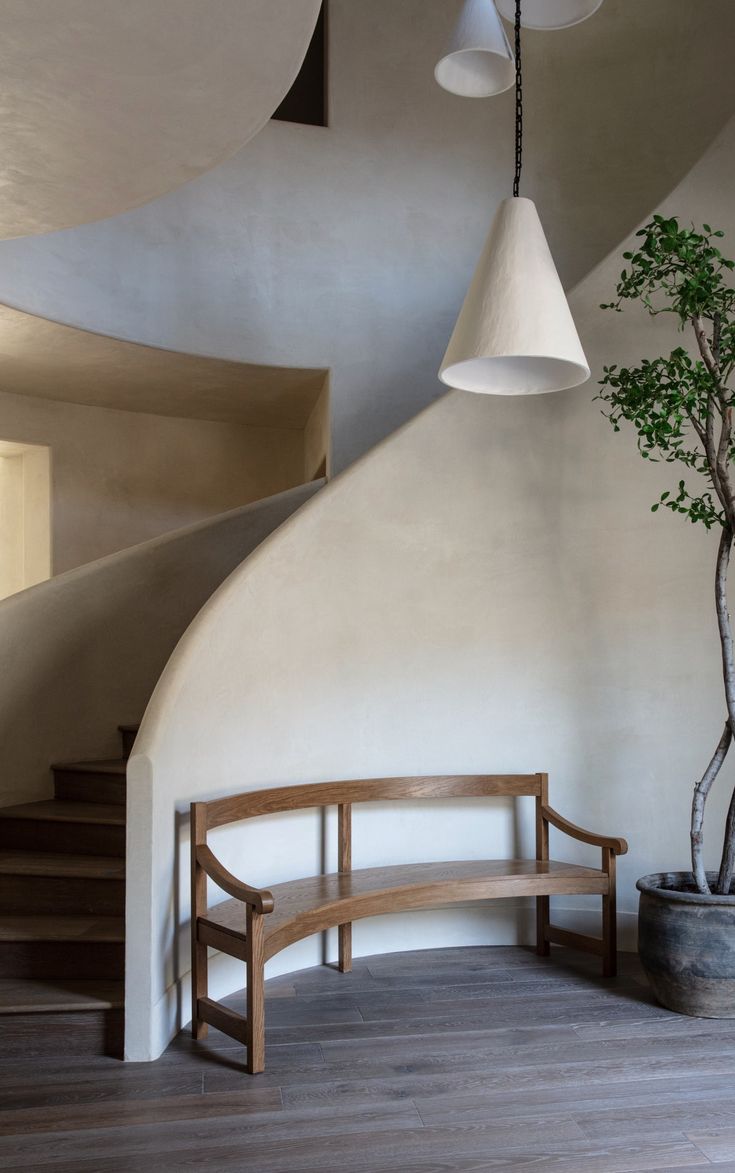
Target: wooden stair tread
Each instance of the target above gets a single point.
(59, 996)
(62, 928)
(117, 766)
(400, 886)
(47, 863)
(59, 810)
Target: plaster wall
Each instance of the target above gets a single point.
(122, 477)
(487, 590)
(351, 247)
(318, 437)
(11, 525)
(36, 514)
(642, 665)
(400, 627)
(25, 516)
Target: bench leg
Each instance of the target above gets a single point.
(609, 918)
(199, 954)
(542, 923)
(199, 987)
(345, 948)
(255, 993)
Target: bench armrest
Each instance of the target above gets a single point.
(619, 846)
(260, 899)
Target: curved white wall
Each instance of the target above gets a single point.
(82, 652)
(485, 591)
(399, 627)
(352, 247)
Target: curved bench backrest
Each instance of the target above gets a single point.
(289, 798)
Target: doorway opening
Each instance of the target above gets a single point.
(25, 516)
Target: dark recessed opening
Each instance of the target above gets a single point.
(306, 101)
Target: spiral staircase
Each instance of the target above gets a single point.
(63, 820)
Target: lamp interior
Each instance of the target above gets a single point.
(515, 375)
(475, 73)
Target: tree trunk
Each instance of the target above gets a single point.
(703, 787)
(728, 672)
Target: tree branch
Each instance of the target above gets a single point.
(723, 621)
(701, 792)
(698, 429)
(711, 451)
(727, 865)
(702, 789)
(705, 349)
(718, 457)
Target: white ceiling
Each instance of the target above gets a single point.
(105, 104)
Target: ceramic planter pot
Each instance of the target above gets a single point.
(687, 945)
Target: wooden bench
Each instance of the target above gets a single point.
(256, 924)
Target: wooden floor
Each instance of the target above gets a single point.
(460, 1060)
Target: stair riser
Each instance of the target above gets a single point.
(62, 959)
(68, 838)
(37, 895)
(91, 1032)
(82, 787)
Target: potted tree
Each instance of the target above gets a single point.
(681, 406)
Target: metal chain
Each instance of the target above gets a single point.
(519, 103)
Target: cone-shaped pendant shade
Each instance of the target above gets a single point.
(549, 14)
(515, 334)
(478, 62)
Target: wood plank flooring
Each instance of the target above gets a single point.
(455, 1061)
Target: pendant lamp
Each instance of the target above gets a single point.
(478, 62)
(550, 14)
(515, 334)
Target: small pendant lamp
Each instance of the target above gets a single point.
(550, 14)
(478, 62)
(515, 334)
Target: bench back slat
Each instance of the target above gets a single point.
(289, 798)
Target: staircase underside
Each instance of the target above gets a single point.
(49, 360)
(107, 106)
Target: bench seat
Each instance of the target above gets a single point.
(311, 905)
